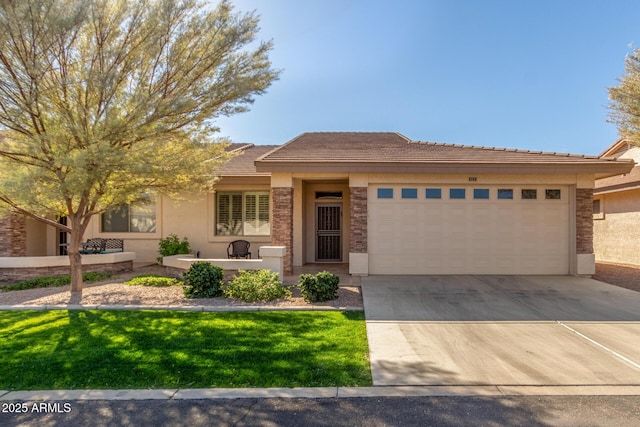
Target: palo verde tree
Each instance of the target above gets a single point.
(101, 100)
(624, 105)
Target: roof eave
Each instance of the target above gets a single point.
(602, 169)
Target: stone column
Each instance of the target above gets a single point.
(358, 234)
(282, 223)
(585, 257)
(584, 221)
(358, 256)
(13, 235)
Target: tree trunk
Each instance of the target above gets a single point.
(75, 258)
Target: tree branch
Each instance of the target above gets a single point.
(47, 221)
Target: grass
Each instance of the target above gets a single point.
(47, 282)
(172, 349)
(153, 280)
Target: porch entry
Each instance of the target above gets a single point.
(329, 232)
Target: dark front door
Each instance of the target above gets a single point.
(328, 232)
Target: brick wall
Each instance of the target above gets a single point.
(282, 223)
(19, 274)
(358, 233)
(584, 221)
(13, 235)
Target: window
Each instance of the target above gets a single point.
(433, 193)
(334, 195)
(552, 194)
(242, 213)
(598, 209)
(480, 193)
(505, 193)
(529, 194)
(457, 193)
(385, 193)
(409, 193)
(136, 217)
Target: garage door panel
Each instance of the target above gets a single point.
(495, 236)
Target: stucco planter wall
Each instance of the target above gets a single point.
(22, 268)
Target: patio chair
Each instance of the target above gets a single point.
(238, 249)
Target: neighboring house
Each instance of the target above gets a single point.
(385, 204)
(616, 210)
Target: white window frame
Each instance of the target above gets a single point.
(242, 225)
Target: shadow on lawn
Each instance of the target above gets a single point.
(161, 349)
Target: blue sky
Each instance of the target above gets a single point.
(505, 73)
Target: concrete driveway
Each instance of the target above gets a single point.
(501, 330)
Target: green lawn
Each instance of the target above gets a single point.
(173, 349)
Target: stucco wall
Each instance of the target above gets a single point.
(193, 218)
(36, 238)
(617, 235)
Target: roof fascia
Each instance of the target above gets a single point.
(613, 147)
(603, 168)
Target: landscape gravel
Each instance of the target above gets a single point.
(114, 292)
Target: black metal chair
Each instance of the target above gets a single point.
(239, 249)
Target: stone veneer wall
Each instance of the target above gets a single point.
(13, 235)
(282, 224)
(19, 274)
(358, 233)
(584, 221)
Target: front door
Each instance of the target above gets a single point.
(328, 232)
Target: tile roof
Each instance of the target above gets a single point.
(393, 152)
(624, 182)
(394, 147)
(243, 163)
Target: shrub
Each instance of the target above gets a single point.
(55, 281)
(320, 287)
(203, 280)
(171, 245)
(257, 285)
(153, 280)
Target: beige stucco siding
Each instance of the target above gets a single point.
(36, 238)
(617, 235)
(192, 217)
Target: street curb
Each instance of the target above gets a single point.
(321, 392)
(197, 308)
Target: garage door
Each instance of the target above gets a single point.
(468, 229)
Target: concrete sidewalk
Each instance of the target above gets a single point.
(207, 308)
(317, 392)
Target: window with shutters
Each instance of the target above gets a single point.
(242, 213)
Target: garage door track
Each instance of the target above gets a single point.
(501, 330)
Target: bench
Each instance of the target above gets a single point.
(102, 246)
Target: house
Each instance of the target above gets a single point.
(616, 210)
(384, 204)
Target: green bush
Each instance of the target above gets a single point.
(153, 280)
(171, 245)
(203, 280)
(55, 281)
(320, 287)
(256, 285)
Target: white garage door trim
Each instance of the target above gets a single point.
(412, 234)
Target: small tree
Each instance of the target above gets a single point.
(624, 103)
(101, 100)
